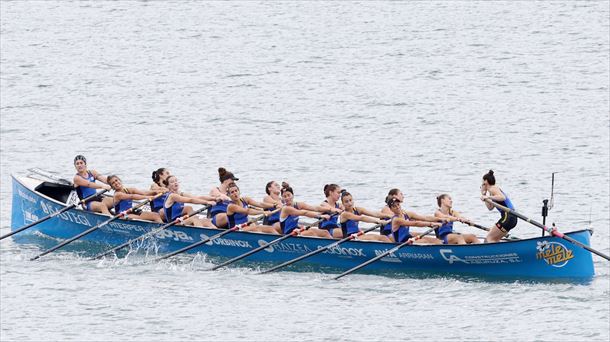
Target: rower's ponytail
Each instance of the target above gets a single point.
(490, 178)
(286, 187)
(156, 175)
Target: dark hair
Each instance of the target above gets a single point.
(344, 194)
(330, 187)
(489, 177)
(267, 187)
(156, 175)
(286, 188)
(166, 181)
(439, 198)
(391, 200)
(393, 192)
(80, 157)
(223, 175)
(232, 185)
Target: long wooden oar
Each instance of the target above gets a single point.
(83, 201)
(408, 242)
(320, 250)
(88, 231)
(211, 238)
(551, 231)
(152, 232)
(258, 249)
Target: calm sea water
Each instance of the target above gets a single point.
(424, 96)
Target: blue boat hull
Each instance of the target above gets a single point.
(539, 258)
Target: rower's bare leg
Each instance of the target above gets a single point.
(455, 239)
(337, 233)
(221, 220)
(108, 202)
(494, 235)
(267, 229)
(428, 241)
(316, 232)
(471, 238)
(99, 207)
(277, 227)
(149, 216)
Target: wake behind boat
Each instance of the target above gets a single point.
(536, 258)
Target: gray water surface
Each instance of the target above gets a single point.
(424, 96)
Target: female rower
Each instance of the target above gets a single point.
(353, 215)
(445, 233)
(332, 193)
(174, 204)
(289, 215)
(396, 193)
(273, 197)
(158, 177)
(219, 210)
(489, 190)
(238, 211)
(401, 222)
(84, 180)
(123, 198)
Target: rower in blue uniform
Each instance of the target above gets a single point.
(446, 233)
(174, 204)
(489, 190)
(238, 211)
(85, 183)
(158, 177)
(352, 216)
(332, 193)
(123, 199)
(218, 212)
(273, 191)
(291, 211)
(402, 221)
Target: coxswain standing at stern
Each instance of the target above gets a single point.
(84, 180)
(489, 190)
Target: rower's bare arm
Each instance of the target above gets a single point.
(377, 214)
(83, 182)
(250, 201)
(99, 177)
(216, 193)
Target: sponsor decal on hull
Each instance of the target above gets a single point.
(507, 258)
(553, 253)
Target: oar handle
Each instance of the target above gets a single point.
(552, 231)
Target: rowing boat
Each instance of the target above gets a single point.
(535, 258)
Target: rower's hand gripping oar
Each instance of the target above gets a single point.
(90, 230)
(152, 232)
(408, 242)
(320, 250)
(295, 232)
(83, 201)
(211, 238)
(552, 231)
